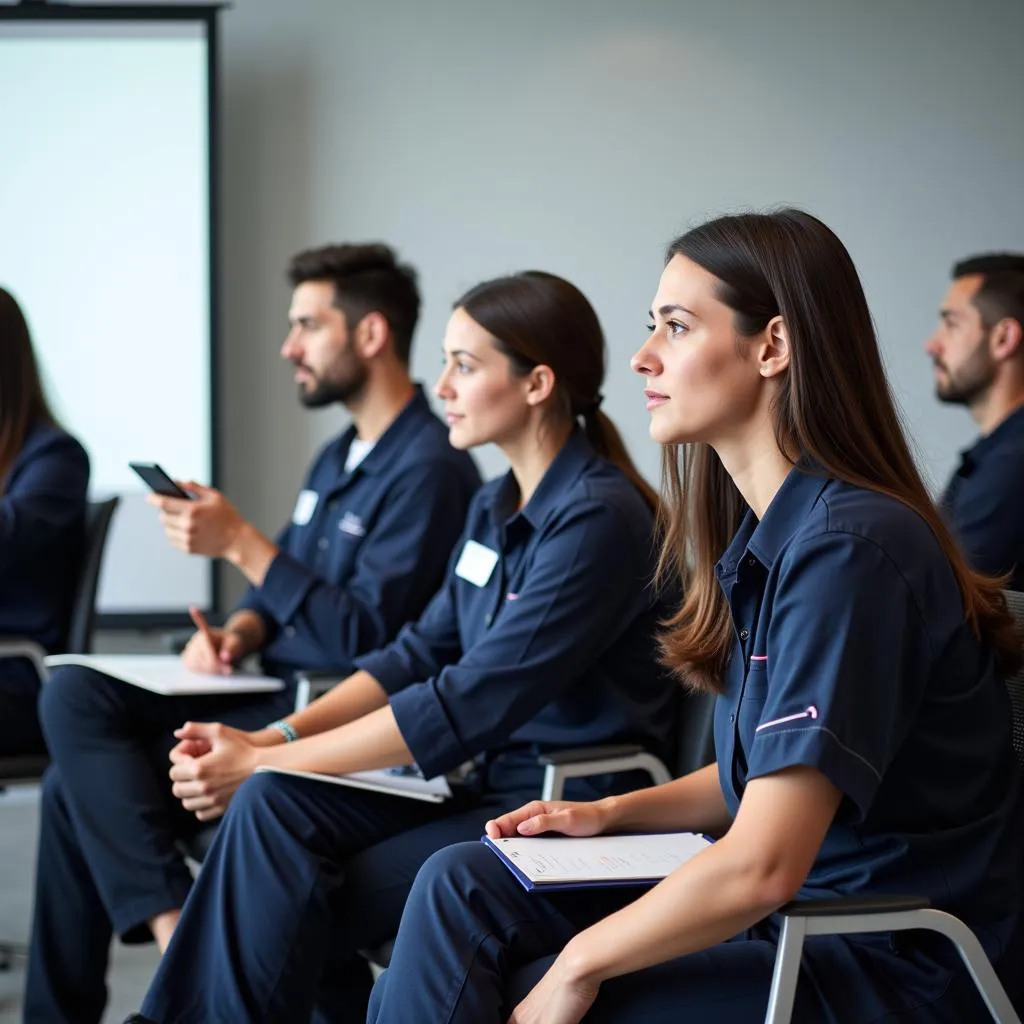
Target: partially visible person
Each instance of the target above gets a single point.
(367, 546)
(978, 352)
(44, 480)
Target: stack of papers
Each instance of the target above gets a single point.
(165, 673)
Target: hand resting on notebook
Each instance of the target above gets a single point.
(571, 818)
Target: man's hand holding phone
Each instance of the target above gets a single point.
(205, 524)
(201, 521)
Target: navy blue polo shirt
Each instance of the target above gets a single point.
(852, 655)
(367, 549)
(984, 501)
(542, 634)
(42, 535)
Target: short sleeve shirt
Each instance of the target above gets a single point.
(852, 655)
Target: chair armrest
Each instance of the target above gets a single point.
(22, 647)
(854, 905)
(574, 755)
(315, 682)
(855, 914)
(608, 759)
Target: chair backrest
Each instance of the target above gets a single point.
(1015, 684)
(696, 732)
(98, 516)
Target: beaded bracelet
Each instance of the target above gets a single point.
(286, 730)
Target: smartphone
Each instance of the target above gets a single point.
(158, 481)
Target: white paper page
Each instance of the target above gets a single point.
(601, 858)
(165, 673)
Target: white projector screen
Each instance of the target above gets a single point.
(105, 202)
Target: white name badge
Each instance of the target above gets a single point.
(476, 563)
(305, 507)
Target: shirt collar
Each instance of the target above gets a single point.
(399, 432)
(788, 509)
(563, 472)
(1011, 428)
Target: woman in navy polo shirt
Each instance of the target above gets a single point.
(862, 731)
(542, 637)
(44, 477)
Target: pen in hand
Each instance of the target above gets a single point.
(204, 627)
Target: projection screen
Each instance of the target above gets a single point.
(107, 242)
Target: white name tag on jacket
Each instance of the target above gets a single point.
(476, 563)
(305, 506)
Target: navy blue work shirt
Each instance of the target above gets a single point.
(42, 535)
(367, 549)
(984, 501)
(542, 634)
(852, 656)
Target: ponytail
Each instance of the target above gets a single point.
(606, 440)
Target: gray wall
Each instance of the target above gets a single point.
(579, 137)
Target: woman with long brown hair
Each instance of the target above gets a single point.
(861, 730)
(44, 476)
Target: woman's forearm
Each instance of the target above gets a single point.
(351, 699)
(759, 864)
(693, 803)
(708, 900)
(374, 741)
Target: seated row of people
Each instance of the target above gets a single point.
(542, 635)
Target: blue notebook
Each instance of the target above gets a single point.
(550, 863)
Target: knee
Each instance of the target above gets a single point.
(460, 868)
(261, 797)
(67, 700)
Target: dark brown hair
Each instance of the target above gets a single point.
(23, 404)
(1001, 293)
(367, 279)
(834, 406)
(537, 318)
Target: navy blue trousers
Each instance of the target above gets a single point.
(301, 876)
(107, 858)
(473, 942)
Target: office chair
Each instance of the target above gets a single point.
(29, 768)
(98, 516)
(897, 913)
(695, 748)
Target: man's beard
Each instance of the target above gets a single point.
(972, 379)
(328, 392)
